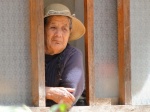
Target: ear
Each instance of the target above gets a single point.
(45, 38)
(70, 34)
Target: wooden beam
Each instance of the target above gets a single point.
(37, 52)
(124, 51)
(111, 108)
(106, 108)
(89, 55)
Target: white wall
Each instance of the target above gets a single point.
(106, 49)
(15, 62)
(140, 51)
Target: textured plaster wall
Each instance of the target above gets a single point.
(15, 63)
(105, 48)
(140, 51)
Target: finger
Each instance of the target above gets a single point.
(70, 90)
(71, 97)
(63, 95)
(68, 97)
(66, 101)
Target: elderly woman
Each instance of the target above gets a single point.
(63, 63)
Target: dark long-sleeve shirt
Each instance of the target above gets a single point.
(65, 70)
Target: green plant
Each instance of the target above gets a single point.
(59, 108)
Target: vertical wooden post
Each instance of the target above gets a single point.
(89, 44)
(37, 52)
(124, 51)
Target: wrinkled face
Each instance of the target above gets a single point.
(57, 32)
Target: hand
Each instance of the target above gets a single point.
(60, 95)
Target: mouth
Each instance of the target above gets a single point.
(56, 41)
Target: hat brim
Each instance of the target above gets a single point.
(78, 29)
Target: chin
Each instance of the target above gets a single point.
(59, 51)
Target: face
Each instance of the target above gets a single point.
(57, 32)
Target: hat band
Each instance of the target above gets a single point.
(53, 12)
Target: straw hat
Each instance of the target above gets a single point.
(78, 28)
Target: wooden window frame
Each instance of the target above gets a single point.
(124, 55)
(38, 70)
(89, 56)
(37, 53)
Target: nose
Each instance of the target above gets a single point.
(58, 33)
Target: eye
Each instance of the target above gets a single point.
(65, 29)
(53, 27)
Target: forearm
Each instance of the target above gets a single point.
(60, 95)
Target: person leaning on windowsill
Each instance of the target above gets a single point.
(64, 73)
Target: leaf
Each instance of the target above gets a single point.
(63, 108)
(58, 108)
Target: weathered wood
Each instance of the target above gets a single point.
(124, 51)
(40, 109)
(37, 52)
(113, 108)
(101, 101)
(89, 55)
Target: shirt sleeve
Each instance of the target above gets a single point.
(73, 74)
